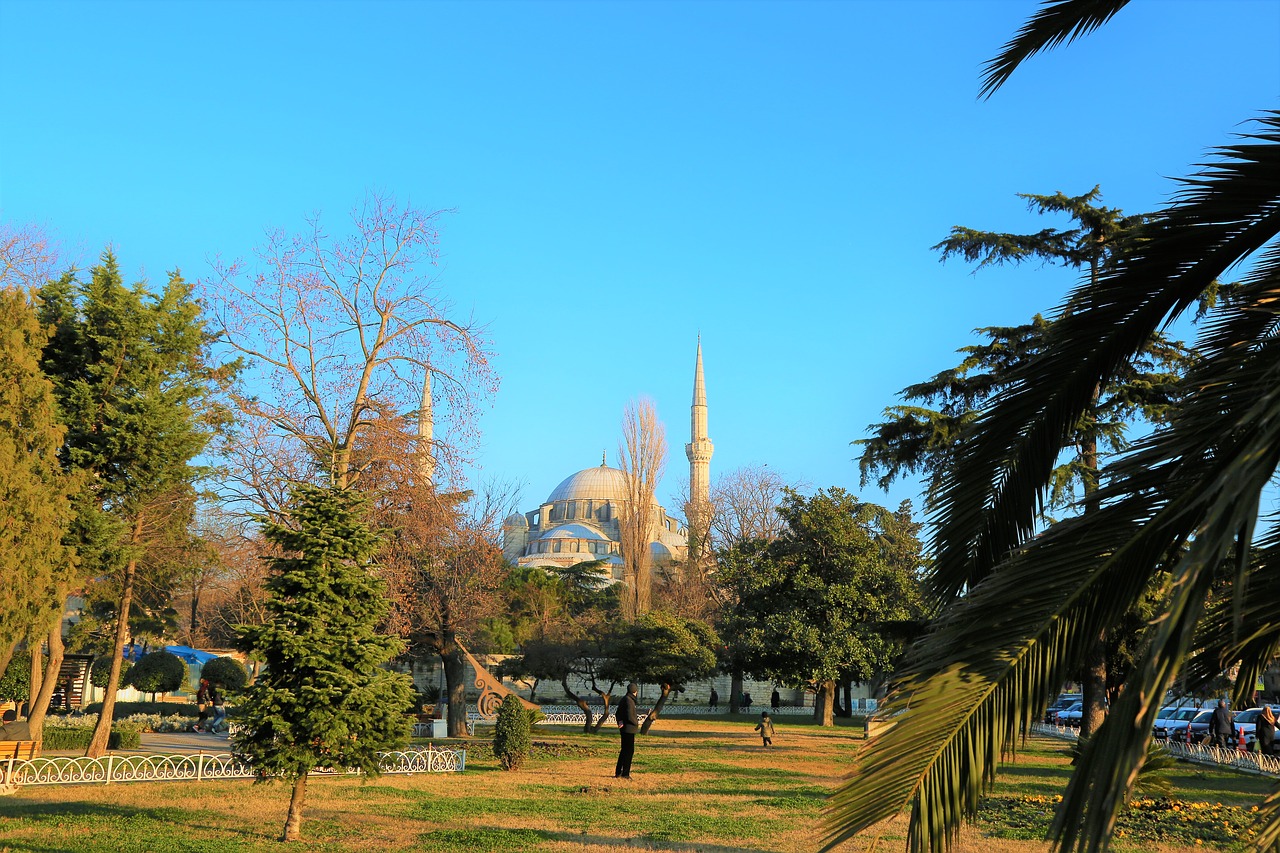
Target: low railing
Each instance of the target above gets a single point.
(1250, 762)
(198, 767)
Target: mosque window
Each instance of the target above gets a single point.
(555, 547)
(569, 510)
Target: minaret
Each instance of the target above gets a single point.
(426, 433)
(699, 450)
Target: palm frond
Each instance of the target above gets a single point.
(1054, 24)
(989, 502)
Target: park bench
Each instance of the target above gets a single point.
(17, 750)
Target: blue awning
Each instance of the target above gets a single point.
(190, 655)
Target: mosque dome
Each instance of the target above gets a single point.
(575, 531)
(517, 521)
(592, 484)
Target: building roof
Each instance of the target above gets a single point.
(574, 531)
(599, 483)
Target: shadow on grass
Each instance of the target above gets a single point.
(648, 842)
(132, 827)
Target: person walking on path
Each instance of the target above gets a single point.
(629, 725)
(775, 701)
(1266, 730)
(715, 699)
(1222, 727)
(203, 704)
(219, 703)
(765, 728)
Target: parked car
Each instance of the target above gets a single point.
(1062, 703)
(1197, 730)
(1172, 720)
(1070, 716)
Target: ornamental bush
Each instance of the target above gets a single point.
(157, 672)
(15, 682)
(512, 733)
(227, 673)
(101, 670)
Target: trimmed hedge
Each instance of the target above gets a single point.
(66, 737)
(512, 733)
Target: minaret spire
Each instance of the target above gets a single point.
(699, 450)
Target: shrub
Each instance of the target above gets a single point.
(101, 670)
(61, 736)
(512, 734)
(227, 673)
(15, 682)
(158, 672)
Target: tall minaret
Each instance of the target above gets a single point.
(699, 450)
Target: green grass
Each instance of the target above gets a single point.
(698, 784)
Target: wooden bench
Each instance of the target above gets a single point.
(18, 750)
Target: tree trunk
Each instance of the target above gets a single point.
(1094, 688)
(657, 709)
(605, 696)
(533, 691)
(35, 644)
(735, 691)
(845, 708)
(102, 731)
(6, 655)
(824, 704)
(293, 823)
(35, 720)
(455, 684)
(580, 702)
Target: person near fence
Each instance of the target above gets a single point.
(765, 728)
(628, 719)
(715, 699)
(1266, 731)
(1223, 725)
(203, 705)
(775, 701)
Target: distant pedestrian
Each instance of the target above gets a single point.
(1222, 727)
(204, 704)
(765, 728)
(775, 701)
(715, 699)
(746, 701)
(1266, 730)
(219, 703)
(628, 725)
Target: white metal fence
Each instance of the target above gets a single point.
(198, 767)
(1249, 762)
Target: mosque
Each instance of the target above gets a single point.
(578, 522)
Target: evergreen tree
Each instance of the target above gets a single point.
(35, 494)
(664, 649)
(512, 733)
(325, 699)
(925, 437)
(134, 389)
(830, 599)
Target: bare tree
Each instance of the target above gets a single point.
(28, 257)
(339, 328)
(642, 457)
(745, 505)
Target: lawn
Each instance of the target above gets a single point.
(699, 785)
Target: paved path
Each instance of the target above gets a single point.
(184, 742)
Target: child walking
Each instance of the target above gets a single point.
(765, 728)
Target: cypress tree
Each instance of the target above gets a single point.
(325, 699)
(35, 505)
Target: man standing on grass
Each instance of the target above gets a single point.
(628, 724)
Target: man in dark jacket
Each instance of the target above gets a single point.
(1223, 726)
(628, 724)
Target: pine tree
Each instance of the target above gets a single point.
(324, 699)
(134, 388)
(35, 494)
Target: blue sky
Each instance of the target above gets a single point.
(625, 176)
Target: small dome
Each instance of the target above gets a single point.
(574, 531)
(599, 483)
(516, 520)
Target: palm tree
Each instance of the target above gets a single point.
(1182, 509)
